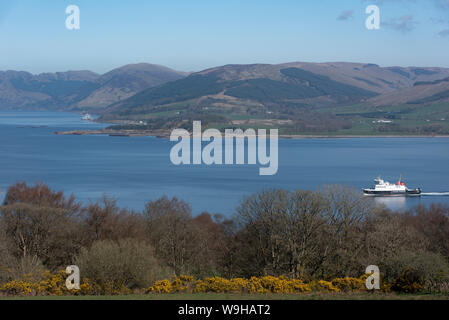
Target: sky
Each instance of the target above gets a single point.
(192, 35)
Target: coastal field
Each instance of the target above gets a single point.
(359, 120)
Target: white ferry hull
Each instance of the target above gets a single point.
(407, 192)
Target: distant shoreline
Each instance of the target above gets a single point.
(166, 134)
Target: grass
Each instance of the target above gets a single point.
(241, 296)
(408, 116)
(405, 113)
(405, 118)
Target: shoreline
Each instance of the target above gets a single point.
(166, 134)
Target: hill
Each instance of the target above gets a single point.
(373, 77)
(126, 81)
(75, 90)
(257, 86)
(329, 98)
(19, 89)
(426, 92)
(266, 88)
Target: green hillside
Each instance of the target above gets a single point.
(292, 99)
(278, 94)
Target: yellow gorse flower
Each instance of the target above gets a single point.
(54, 284)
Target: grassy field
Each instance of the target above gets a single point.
(228, 296)
(406, 116)
(406, 119)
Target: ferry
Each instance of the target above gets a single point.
(87, 117)
(385, 188)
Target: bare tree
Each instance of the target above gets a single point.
(262, 219)
(170, 230)
(346, 210)
(42, 223)
(104, 220)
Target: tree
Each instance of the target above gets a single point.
(40, 195)
(433, 223)
(346, 211)
(209, 246)
(171, 232)
(42, 223)
(103, 220)
(302, 234)
(280, 232)
(262, 220)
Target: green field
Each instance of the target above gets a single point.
(407, 116)
(361, 119)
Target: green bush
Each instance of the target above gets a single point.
(126, 263)
(426, 269)
(423, 264)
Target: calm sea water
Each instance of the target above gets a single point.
(137, 169)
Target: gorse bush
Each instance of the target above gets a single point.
(54, 284)
(49, 284)
(324, 286)
(350, 284)
(253, 285)
(408, 282)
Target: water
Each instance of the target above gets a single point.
(137, 169)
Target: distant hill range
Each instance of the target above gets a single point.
(281, 86)
(138, 89)
(83, 90)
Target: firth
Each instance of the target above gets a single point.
(212, 153)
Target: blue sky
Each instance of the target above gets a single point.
(191, 35)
